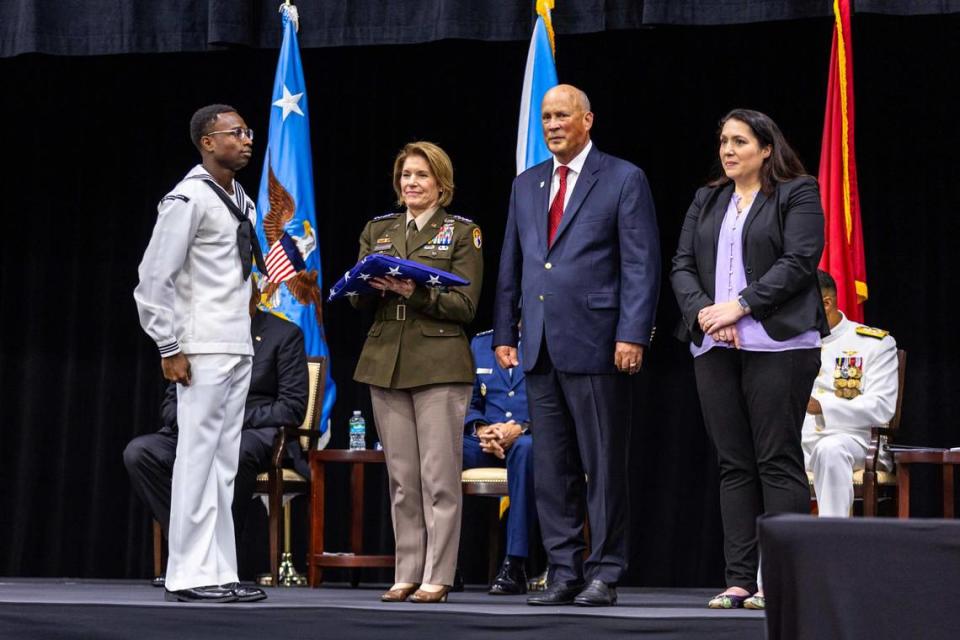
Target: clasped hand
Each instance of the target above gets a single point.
(497, 438)
(400, 286)
(719, 321)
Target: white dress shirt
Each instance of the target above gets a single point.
(575, 166)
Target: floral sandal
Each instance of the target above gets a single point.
(727, 601)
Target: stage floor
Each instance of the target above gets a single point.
(61, 608)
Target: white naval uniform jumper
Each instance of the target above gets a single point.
(192, 298)
(835, 443)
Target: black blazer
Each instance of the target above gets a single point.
(278, 380)
(782, 243)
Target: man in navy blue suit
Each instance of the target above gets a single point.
(582, 252)
(497, 434)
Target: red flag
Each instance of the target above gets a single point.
(843, 251)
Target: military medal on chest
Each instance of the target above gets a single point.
(848, 376)
(444, 237)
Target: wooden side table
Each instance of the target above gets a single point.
(316, 559)
(945, 458)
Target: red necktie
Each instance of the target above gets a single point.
(556, 207)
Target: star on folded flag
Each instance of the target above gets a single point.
(357, 281)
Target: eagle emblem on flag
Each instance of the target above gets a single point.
(285, 259)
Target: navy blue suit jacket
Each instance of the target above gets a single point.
(599, 282)
(497, 395)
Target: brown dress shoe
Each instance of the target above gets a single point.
(398, 595)
(430, 597)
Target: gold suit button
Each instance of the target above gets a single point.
(548, 266)
(541, 298)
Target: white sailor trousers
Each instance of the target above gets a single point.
(202, 548)
(833, 459)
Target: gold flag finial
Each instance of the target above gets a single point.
(543, 10)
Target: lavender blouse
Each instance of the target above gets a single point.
(731, 279)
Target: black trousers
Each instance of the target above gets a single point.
(753, 406)
(581, 428)
(149, 461)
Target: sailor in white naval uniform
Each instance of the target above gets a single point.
(193, 300)
(855, 390)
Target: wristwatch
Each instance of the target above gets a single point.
(744, 305)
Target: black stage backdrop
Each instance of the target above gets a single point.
(94, 142)
(96, 27)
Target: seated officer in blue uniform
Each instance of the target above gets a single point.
(496, 435)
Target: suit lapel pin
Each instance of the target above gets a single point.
(541, 184)
(259, 338)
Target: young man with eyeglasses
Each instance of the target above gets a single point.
(193, 301)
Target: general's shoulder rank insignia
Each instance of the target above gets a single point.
(871, 332)
(460, 218)
(385, 216)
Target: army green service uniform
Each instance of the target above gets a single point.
(419, 366)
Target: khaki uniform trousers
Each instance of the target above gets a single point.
(421, 430)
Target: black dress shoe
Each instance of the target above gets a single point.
(246, 594)
(200, 594)
(512, 579)
(556, 594)
(597, 594)
(159, 581)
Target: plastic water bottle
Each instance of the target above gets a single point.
(358, 432)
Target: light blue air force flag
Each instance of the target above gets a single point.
(285, 201)
(540, 76)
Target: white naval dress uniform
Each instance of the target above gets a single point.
(835, 443)
(192, 298)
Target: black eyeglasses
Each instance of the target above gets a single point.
(239, 133)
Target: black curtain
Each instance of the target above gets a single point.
(96, 27)
(93, 143)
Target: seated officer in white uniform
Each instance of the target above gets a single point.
(855, 390)
(496, 435)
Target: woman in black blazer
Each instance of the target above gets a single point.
(745, 276)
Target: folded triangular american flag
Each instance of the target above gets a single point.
(356, 280)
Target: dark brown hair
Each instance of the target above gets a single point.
(783, 163)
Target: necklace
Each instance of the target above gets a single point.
(742, 202)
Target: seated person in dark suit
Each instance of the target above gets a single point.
(277, 397)
(496, 435)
